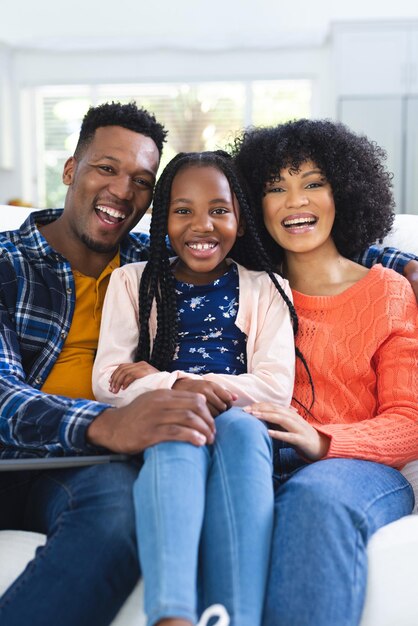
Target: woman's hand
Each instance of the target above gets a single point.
(292, 429)
(218, 398)
(126, 373)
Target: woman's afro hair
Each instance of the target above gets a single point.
(352, 164)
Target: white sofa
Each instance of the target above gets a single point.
(393, 550)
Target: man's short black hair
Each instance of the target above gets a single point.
(128, 116)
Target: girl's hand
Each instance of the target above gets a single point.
(218, 398)
(292, 429)
(126, 373)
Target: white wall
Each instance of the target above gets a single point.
(7, 184)
(31, 68)
(52, 42)
(184, 22)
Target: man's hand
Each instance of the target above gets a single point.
(410, 271)
(153, 417)
(292, 429)
(217, 398)
(126, 373)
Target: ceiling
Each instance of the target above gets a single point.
(183, 24)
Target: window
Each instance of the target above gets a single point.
(198, 116)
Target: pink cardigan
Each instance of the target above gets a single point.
(262, 315)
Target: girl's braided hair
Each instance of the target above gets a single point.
(157, 282)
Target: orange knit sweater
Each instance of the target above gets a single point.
(362, 350)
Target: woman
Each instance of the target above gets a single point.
(324, 195)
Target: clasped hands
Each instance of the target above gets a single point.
(198, 425)
(218, 398)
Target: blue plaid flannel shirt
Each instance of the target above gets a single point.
(388, 257)
(37, 298)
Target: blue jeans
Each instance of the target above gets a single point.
(206, 514)
(325, 513)
(89, 564)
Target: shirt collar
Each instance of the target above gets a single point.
(36, 245)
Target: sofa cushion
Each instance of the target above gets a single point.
(410, 471)
(17, 548)
(404, 233)
(392, 576)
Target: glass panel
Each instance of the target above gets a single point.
(278, 101)
(61, 119)
(198, 116)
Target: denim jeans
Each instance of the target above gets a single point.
(89, 564)
(206, 514)
(325, 513)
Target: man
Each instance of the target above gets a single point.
(53, 277)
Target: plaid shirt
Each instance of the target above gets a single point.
(37, 299)
(388, 257)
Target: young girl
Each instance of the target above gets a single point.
(324, 196)
(201, 322)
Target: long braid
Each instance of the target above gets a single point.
(266, 265)
(305, 365)
(252, 253)
(164, 293)
(250, 245)
(157, 283)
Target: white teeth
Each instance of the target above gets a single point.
(111, 212)
(299, 221)
(201, 246)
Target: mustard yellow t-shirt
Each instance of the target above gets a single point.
(71, 374)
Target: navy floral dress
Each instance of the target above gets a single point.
(208, 339)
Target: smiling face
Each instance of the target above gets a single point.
(299, 209)
(109, 187)
(203, 223)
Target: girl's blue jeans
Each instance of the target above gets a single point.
(204, 523)
(206, 514)
(325, 513)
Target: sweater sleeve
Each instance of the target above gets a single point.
(391, 436)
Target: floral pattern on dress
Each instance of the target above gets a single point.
(231, 309)
(208, 339)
